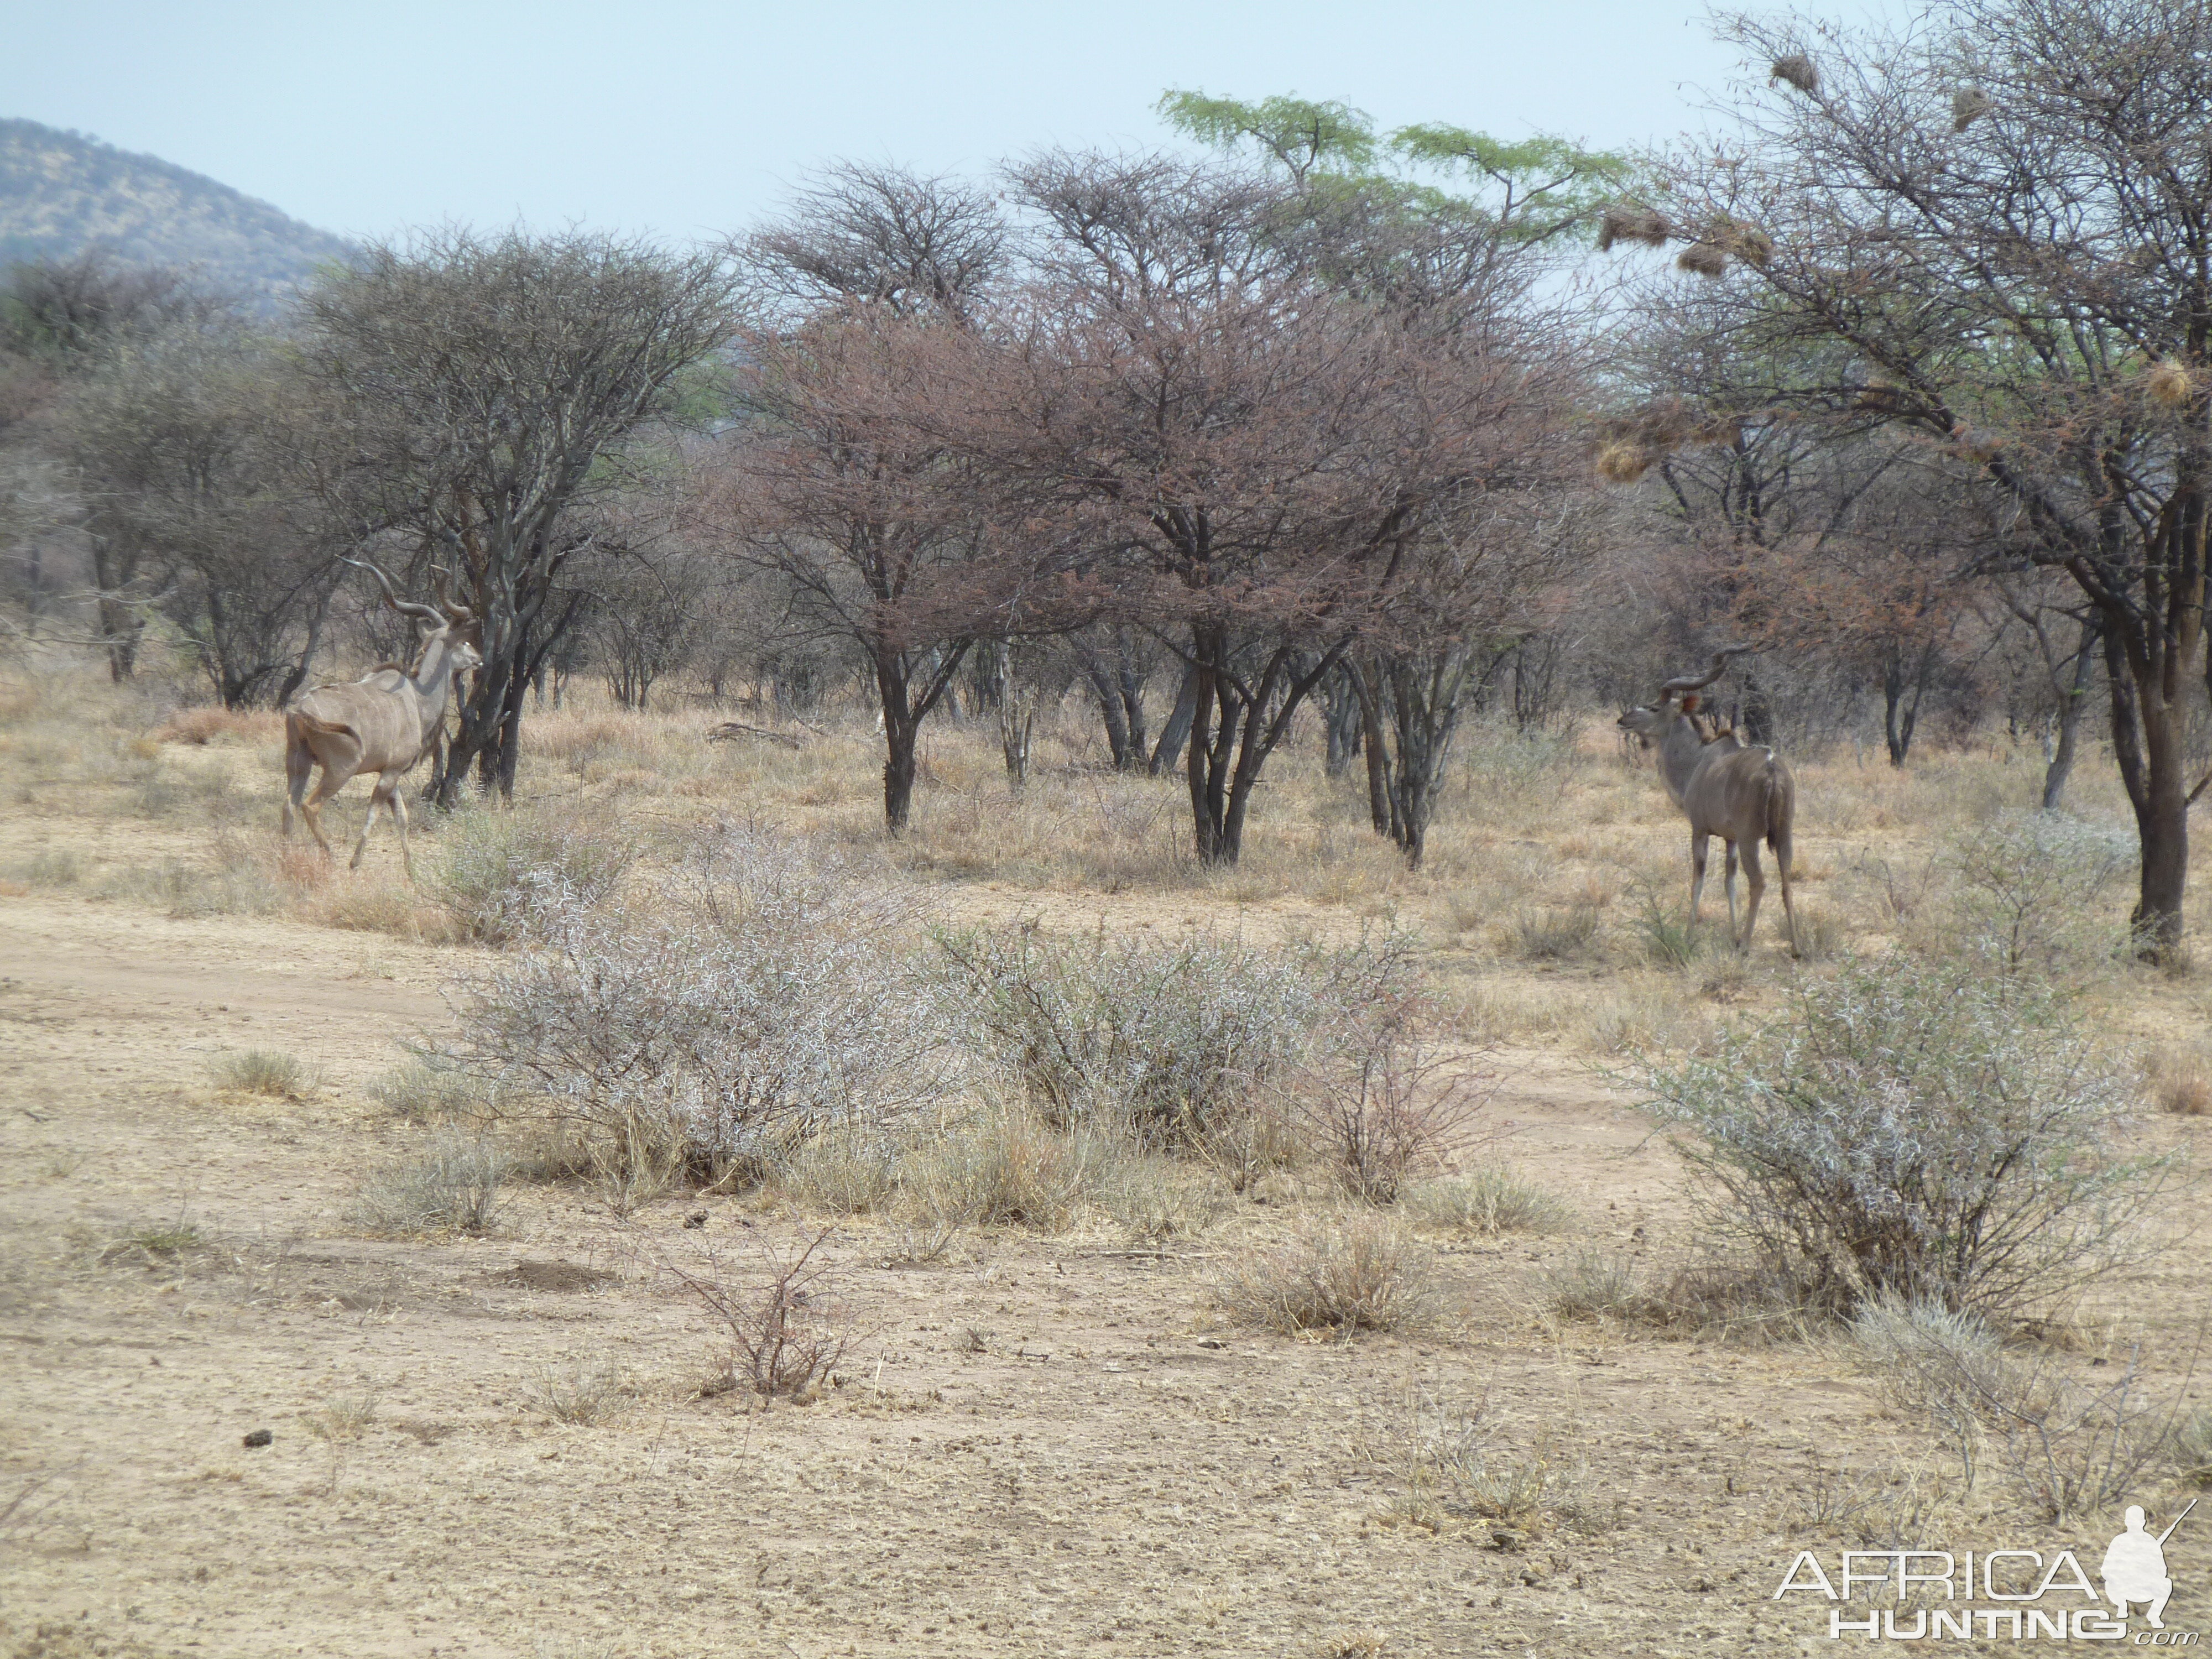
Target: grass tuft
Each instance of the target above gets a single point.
(1346, 1273)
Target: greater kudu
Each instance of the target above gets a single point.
(1726, 787)
(383, 723)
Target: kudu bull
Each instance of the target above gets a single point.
(1727, 788)
(383, 723)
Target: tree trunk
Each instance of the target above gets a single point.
(296, 676)
(490, 730)
(2072, 702)
(1176, 732)
(120, 624)
(902, 715)
(2147, 744)
(1235, 728)
(1213, 747)
(901, 730)
(1369, 689)
(1017, 713)
(1899, 716)
(1129, 682)
(1425, 696)
(1108, 695)
(1340, 719)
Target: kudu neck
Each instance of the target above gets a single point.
(433, 671)
(1680, 752)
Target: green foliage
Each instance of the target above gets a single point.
(1531, 191)
(1303, 136)
(1540, 186)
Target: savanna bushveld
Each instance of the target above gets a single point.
(1330, 892)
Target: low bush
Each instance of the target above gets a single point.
(502, 874)
(755, 998)
(1448, 1468)
(583, 1391)
(2180, 1080)
(1156, 1198)
(1174, 1040)
(1004, 1166)
(1385, 1118)
(848, 1168)
(2064, 1446)
(1670, 939)
(430, 1090)
(2031, 892)
(1918, 1132)
(1598, 1285)
(1553, 934)
(785, 1336)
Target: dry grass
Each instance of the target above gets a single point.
(1449, 1471)
(1002, 1166)
(586, 1390)
(2179, 1077)
(450, 1187)
(1343, 1273)
(264, 1071)
(1535, 835)
(1484, 1203)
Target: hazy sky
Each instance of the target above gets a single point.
(685, 118)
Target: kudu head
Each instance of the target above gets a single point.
(455, 627)
(1677, 699)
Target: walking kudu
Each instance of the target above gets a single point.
(1727, 788)
(383, 723)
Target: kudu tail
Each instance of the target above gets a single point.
(1781, 804)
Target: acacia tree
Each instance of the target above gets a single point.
(848, 481)
(183, 447)
(2004, 219)
(1446, 234)
(63, 323)
(478, 391)
(1246, 449)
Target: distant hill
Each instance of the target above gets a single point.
(61, 193)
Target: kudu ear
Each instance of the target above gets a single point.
(1690, 701)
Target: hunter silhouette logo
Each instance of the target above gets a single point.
(2134, 1567)
(2031, 1594)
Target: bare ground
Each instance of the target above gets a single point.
(1040, 1444)
(1115, 1466)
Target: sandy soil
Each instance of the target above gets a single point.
(1115, 1470)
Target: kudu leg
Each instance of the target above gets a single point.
(1781, 859)
(311, 808)
(1727, 886)
(299, 767)
(384, 795)
(1697, 874)
(399, 818)
(1754, 882)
